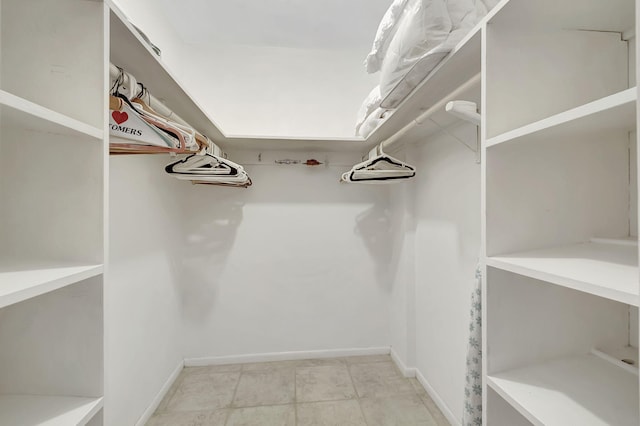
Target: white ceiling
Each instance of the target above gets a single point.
(308, 24)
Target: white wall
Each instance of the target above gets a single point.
(297, 262)
(142, 309)
(252, 90)
(155, 25)
(441, 246)
(262, 90)
(402, 270)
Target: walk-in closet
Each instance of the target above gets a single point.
(340, 213)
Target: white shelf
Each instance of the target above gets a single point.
(462, 64)
(306, 144)
(601, 267)
(16, 111)
(584, 390)
(20, 281)
(616, 355)
(617, 111)
(594, 15)
(28, 410)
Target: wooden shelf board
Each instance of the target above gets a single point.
(593, 15)
(30, 410)
(603, 269)
(20, 280)
(19, 112)
(617, 111)
(583, 390)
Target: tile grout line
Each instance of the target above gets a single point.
(353, 383)
(422, 399)
(295, 395)
(233, 398)
(173, 390)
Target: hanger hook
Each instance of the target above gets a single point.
(118, 81)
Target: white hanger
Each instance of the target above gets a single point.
(379, 168)
(125, 84)
(209, 166)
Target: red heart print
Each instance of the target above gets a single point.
(120, 117)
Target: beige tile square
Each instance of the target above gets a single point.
(366, 359)
(325, 383)
(437, 415)
(266, 388)
(199, 392)
(418, 387)
(400, 410)
(279, 415)
(334, 413)
(191, 418)
(162, 407)
(379, 379)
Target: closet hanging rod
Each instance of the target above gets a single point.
(396, 137)
(158, 106)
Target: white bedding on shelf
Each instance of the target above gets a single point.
(424, 26)
(373, 120)
(370, 104)
(412, 39)
(385, 32)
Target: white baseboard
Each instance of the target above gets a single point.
(436, 398)
(283, 356)
(158, 398)
(406, 371)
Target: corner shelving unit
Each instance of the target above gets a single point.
(52, 184)
(560, 214)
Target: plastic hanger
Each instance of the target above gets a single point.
(142, 102)
(209, 162)
(209, 167)
(157, 139)
(379, 168)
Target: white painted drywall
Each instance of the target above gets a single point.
(264, 90)
(297, 262)
(439, 255)
(447, 222)
(254, 90)
(326, 24)
(402, 271)
(142, 309)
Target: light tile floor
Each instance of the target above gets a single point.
(353, 391)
